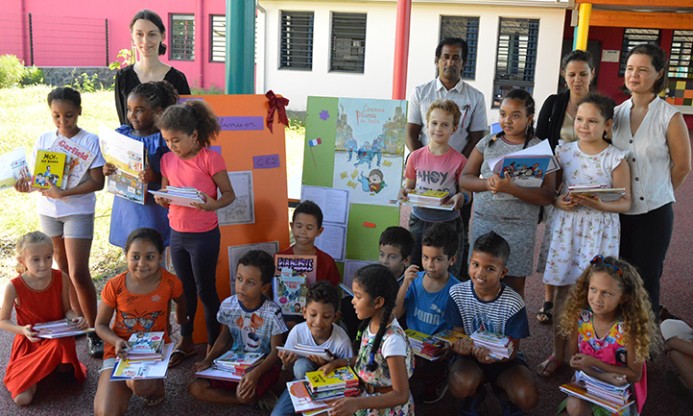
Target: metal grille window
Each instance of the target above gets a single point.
(217, 52)
(182, 46)
(633, 38)
(681, 57)
(466, 28)
(348, 52)
(297, 40)
(516, 58)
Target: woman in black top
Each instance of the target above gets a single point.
(555, 122)
(148, 34)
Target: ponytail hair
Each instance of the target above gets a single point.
(528, 101)
(378, 282)
(191, 116)
(158, 94)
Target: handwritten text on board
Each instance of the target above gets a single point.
(241, 123)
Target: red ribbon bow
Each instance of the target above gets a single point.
(276, 104)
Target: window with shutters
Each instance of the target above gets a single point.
(516, 56)
(633, 38)
(217, 51)
(348, 46)
(681, 56)
(182, 46)
(466, 28)
(296, 49)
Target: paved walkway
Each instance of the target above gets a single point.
(59, 395)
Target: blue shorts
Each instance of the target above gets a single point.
(69, 226)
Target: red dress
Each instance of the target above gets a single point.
(30, 362)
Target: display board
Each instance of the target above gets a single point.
(256, 161)
(358, 145)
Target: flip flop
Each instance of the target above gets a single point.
(544, 315)
(174, 361)
(549, 366)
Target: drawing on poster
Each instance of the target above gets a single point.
(369, 149)
(242, 209)
(236, 252)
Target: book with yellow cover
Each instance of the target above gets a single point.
(49, 167)
(341, 377)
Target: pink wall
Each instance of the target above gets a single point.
(88, 51)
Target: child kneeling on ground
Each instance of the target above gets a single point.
(484, 303)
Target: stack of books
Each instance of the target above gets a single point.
(232, 365)
(616, 399)
(430, 199)
(426, 346)
(180, 196)
(450, 337)
(135, 369)
(307, 351)
(341, 382)
(499, 345)
(59, 329)
(146, 346)
(604, 193)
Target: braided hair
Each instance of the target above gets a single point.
(378, 282)
(158, 94)
(528, 101)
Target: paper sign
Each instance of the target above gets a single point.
(228, 123)
(266, 161)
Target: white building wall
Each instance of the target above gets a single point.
(376, 81)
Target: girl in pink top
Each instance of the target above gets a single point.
(195, 239)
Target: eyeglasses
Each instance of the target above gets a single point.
(599, 260)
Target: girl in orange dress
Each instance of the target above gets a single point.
(39, 294)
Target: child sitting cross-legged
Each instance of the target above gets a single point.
(250, 323)
(395, 247)
(423, 297)
(319, 330)
(484, 303)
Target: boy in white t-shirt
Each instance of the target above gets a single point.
(319, 330)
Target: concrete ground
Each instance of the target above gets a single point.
(60, 395)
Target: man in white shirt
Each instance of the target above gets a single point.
(451, 55)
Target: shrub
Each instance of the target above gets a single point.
(85, 83)
(11, 71)
(31, 76)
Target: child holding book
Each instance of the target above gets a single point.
(188, 130)
(395, 247)
(145, 104)
(611, 329)
(437, 166)
(485, 304)
(306, 226)
(385, 360)
(140, 299)
(38, 294)
(582, 225)
(515, 219)
(67, 215)
(423, 297)
(319, 331)
(250, 323)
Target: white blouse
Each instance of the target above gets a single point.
(648, 154)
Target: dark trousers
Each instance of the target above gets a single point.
(194, 257)
(645, 240)
(418, 228)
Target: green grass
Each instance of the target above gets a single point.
(25, 115)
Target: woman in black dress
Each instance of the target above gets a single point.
(148, 34)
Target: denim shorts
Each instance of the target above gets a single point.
(69, 226)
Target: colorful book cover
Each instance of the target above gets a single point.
(129, 157)
(428, 197)
(451, 336)
(290, 285)
(155, 369)
(146, 342)
(301, 399)
(49, 167)
(579, 391)
(239, 359)
(13, 166)
(78, 160)
(341, 377)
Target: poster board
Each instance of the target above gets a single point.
(247, 145)
(358, 145)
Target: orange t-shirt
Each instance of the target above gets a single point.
(140, 312)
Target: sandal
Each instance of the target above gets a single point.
(177, 357)
(544, 315)
(549, 366)
(153, 400)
